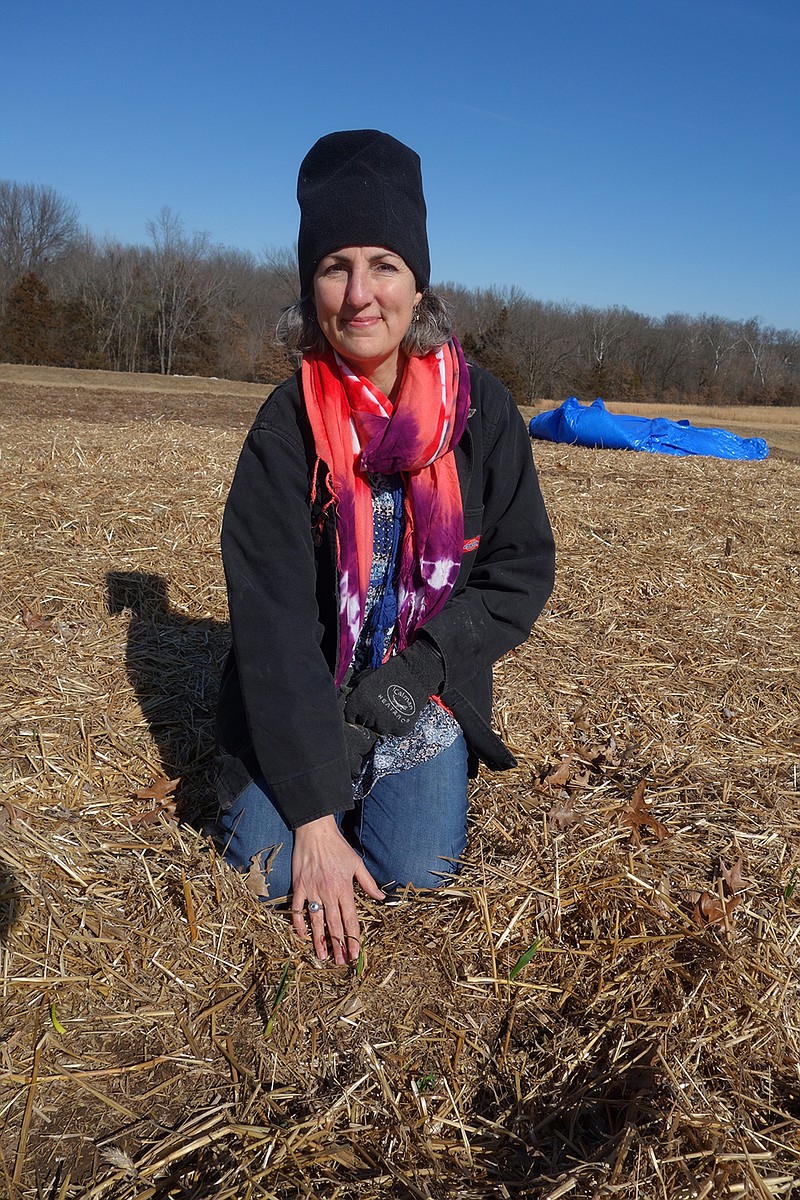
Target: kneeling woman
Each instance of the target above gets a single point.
(384, 543)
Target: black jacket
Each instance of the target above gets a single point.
(278, 712)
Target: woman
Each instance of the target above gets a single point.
(384, 543)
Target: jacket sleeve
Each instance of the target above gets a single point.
(505, 582)
(288, 693)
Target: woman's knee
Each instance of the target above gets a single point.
(413, 826)
(251, 834)
(423, 871)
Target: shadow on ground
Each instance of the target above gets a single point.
(174, 664)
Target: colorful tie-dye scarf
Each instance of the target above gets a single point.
(358, 431)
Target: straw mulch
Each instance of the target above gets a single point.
(606, 1003)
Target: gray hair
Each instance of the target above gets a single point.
(431, 326)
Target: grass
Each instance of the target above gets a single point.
(605, 1002)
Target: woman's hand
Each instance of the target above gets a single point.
(390, 698)
(324, 866)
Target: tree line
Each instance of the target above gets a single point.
(178, 304)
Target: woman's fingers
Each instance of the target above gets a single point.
(367, 882)
(352, 940)
(324, 867)
(313, 915)
(317, 919)
(299, 914)
(333, 923)
(341, 924)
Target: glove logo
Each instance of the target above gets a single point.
(400, 700)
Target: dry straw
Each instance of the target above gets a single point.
(605, 1003)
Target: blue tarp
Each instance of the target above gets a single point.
(594, 426)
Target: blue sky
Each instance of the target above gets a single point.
(643, 153)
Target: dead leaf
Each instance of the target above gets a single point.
(579, 717)
(600, 757)
(256, 880)
(34, 620)
(169, 809)
(159, 789)
(732, 877)
(581, 778)
(563, 815)
(559, 775)
(608, 756)
(638, 817)
(711, 910)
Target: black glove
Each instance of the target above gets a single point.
(359, 742)
(390, 698)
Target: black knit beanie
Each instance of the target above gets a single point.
(361, 187)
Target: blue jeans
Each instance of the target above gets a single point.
(406, 828)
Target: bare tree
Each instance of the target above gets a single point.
(601, 336)
(37, 228)
(112, 283)
(715, 344)
(183, 287)
(540, 339)
(281, 263)
(246, 309)
(760, 344)
(183, 304)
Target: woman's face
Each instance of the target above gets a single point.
(365, 298)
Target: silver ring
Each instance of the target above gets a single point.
(314, 906)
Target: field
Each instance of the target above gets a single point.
(606, 1003)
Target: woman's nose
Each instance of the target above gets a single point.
(359, 292)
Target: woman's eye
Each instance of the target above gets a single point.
(387, 268)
